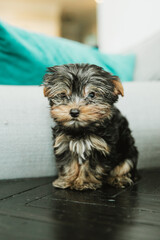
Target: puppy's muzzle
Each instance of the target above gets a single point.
(74, 112)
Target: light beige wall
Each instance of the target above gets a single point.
(73, 19)
(36, 15)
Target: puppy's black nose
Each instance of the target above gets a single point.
(74, 112)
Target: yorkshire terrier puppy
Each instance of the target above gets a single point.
(92, 140)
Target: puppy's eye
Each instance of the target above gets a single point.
(62, 95)
(91, 95)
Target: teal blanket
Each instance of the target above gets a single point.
(24, 56)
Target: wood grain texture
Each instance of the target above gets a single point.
(32, 209)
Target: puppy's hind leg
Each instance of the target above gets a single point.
(120, 176)
(124, 173)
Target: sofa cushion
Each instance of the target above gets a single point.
(24, 56)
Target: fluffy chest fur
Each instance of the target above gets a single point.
(80, 148)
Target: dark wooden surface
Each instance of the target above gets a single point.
(32, 209)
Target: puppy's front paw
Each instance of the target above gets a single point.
(78, 185)
(61, 183)
(120, 181)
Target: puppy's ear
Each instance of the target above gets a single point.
(45, 91)
(118, 88)
(46, 86)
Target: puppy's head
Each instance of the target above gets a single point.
(81, 94)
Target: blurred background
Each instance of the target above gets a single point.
(113, 25)
(72, 19)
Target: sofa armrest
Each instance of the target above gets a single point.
(25, 133)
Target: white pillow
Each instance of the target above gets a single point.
(147, 59)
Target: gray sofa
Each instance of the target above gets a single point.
(25, 128)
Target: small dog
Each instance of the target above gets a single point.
(92, 141)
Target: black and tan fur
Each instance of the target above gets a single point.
(92, 141)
